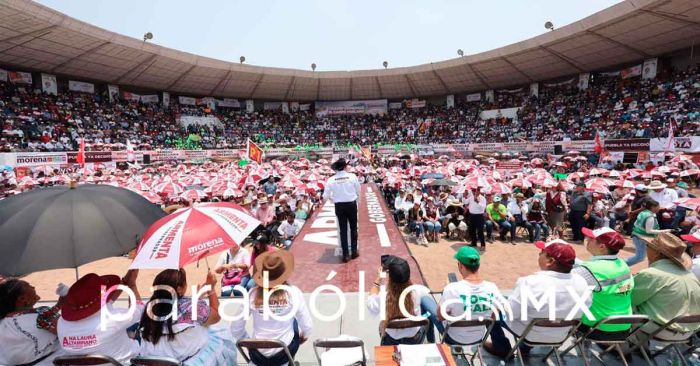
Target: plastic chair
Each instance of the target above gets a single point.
(672, 343)
(85, 360)
(404, 323)
(486, 323)
(340, 343)
(263, 344)
(636, 322)
(572, 325)
(154, 361)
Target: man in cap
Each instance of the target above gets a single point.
(343, 189)
(667, 288)
(581, 205)
(694, 239)
(556, 260)
(640, 195)
(469, 298)
(497, 215)
(611, 280)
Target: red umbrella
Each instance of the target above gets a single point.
(691, 203)
(192, 194)
(168, 189)
(624, 183)
(689, 172)
(520, 182)
(193, 233)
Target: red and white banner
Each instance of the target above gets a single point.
(19, 77)
(80, 86)
(49, 84)
(131, 96)
(254, 152)
(415, 103)
(631, 72)
(193, 233)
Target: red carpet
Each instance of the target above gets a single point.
(317, 247)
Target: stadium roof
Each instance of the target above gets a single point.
(36, 37)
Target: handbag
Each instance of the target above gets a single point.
(231, 278)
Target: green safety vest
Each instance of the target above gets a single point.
(640, 224)
(615, 295)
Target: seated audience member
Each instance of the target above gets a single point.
(497, 215)
(536, 217)
(415, 222)
(261, 245)
(432, 224)
(265, 213)
(27, 333)
(398, 278)
(694, 239)
(612, 281)
(285, 317)
(288, 230)
(234, 265)
(517, 215)
(482, 296)
(81, 329)
(454, 219)
(556, 260)
(190, 341)
(667, 288)
(304, 207)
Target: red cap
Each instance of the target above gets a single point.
(606, 236)
(693, 238)
(562, 252)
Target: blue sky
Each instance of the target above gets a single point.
(336, 35)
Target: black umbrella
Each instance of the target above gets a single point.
(63, 227)
(443, 182)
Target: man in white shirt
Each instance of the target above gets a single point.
(288, 230)
(399, 202)
(666, 198)
(467, 299)
(476, 202)
(517, 214)
(556, 259)
(344, 189)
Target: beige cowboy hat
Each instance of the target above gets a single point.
(457, 203)
(247, 201)
(279, 265)
(673, 248)
(656, 184)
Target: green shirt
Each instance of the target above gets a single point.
(664, 291)
(615, 295)
(498, 212)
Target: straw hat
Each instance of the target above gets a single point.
(673, 248)
(456, 203)
(656, 184)
(443, 196)
(279, 265)
(247, 201)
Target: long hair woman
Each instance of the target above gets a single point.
(398, 275)
(190, 341)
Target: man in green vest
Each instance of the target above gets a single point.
(612, 281)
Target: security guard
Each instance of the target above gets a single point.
(344, 189)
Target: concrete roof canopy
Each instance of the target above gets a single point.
(36, 37)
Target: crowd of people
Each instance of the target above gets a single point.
(617, 108)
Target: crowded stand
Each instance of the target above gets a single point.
(617, 108)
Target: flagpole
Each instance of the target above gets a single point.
(247, 150)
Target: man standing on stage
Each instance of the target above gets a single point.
(344, 189)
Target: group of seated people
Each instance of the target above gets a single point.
(629, 108)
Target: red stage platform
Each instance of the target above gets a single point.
(317, 254)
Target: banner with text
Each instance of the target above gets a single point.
(113, 91)
(49, 84)
(379, 106)
(80, 86)
(3, 75)
(19, 77)
(187, 100)
(631, 72)
(682, 144)
(649, 68)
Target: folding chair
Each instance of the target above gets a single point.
(263, 344)
(330, 343)
(85, 360)
(544, 323)
(457, 350)
(154, 361)
(404, 323)
(636, 322)
(672, 343)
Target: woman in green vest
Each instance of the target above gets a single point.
(645, 228)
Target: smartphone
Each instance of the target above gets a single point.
(452, 277)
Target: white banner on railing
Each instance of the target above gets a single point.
(498, 113)
(415, 103)
(304, 107)
(19, 77)
(229, 103)
(131, 96)
(450, 101)
(272, 106)
(49, 84)
(534, 90)
(153, 98)
(166, 99)
(113, 91)
(475, 97)
(187, 100)
(631, 72)
(378, 106)
(396, 105)
(200, 120)
(489, 95)
(249, 106)
(683, 144)
(583, 79)
(649, 68)
(81, 86)
(3, 75)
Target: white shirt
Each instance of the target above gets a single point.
(538, 284)
(374, 307)
(241, 257)
(476, 207)
(17, 346)
(696, 266)
(85, 336)
(271, 328)
(514, 208)
(398, 202)
(342, 187)
(665, 198)
(482, 298)
(287, 229)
